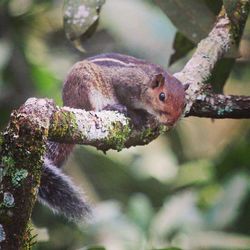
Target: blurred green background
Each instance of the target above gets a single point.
(190, 188)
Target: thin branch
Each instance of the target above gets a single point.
(221, 106)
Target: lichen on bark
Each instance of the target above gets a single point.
(21, 158)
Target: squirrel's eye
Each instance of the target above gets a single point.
(162, 96)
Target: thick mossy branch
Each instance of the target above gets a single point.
(21, 157)
(104, 130)
(224, 33)
(92, 128)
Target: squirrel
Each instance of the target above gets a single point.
(140, 89)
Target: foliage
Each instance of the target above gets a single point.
(189, 189)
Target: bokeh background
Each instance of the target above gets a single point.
(189, 189)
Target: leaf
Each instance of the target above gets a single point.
(214, 5)
(81, 19)
(227, 207)
(169, 248)
(221, 73)
(94, 248)
(181, 46)
(46, 82)
(140, 210)
(194, 173)
(230, 6)
(219, 240)
(184, 43)
(191, 17)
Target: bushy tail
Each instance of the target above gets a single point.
(59, 193)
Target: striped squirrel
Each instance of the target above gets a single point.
(108, 82)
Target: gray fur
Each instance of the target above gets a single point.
(58, 192)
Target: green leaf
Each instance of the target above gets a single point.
(214, 5)
(46, 82)
(140, 210)
(227, 207)
(81, 19)
(221, 73)
(94, 248)
(169, 248)
(182, 46)
(194, 173)
(191, 17)
(230, 6)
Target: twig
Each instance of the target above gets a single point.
(221, 106)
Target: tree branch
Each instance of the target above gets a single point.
(104, 130)
(199, 68)
(221, 106)
(22, 147)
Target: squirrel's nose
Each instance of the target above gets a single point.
(171, 122)
(174, 117)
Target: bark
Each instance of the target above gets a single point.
(22, 146)
(221, 106)
(104, 130)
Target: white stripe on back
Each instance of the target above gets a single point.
(106, 59)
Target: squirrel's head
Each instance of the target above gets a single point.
(166, 97)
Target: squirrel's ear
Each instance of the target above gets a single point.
(157, 81)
